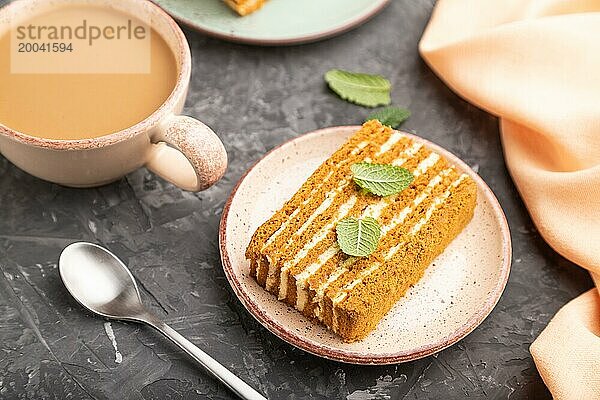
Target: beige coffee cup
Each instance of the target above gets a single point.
(178, 148)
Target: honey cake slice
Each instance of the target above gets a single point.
(295, 254)
(245, 7)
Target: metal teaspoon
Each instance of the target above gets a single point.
(100, 282)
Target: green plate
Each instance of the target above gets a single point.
(279, 22)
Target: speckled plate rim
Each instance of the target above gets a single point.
(353, 357)
(291, 40)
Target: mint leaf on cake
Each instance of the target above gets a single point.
(362, 89)
(390, 116)
(381, 179)
(358, 237)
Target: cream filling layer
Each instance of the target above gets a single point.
(354, 152)
(436, 203)
(414, 149)
(393, 139)
(322, 207)
(365, 273)
(320, 292)
(373, 211)
(270, 282)
(301, 292)
(293, 214)
(329, 198)
(342, 212)
(387, 146)
(397, 220)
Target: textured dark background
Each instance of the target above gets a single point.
(254, 98)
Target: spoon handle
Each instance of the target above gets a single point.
(238, 386)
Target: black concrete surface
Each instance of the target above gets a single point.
(254, 98)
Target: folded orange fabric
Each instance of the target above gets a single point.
(567, 353)
(536, 65)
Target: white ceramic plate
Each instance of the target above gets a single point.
(458, 291)
(278, 22)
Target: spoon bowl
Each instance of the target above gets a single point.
(100, 281)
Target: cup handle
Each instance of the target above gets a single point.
(187, 153)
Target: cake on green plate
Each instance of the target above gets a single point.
(245, 7)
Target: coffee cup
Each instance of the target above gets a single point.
(178, 148)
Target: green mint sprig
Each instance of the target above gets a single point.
(381, 179)
(362, 89)
(390, 116)
(358, 237)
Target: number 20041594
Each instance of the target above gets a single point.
(48, 47)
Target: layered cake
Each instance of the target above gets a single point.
(245, 7)
(295, 255)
